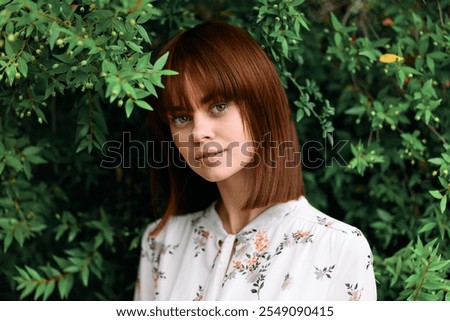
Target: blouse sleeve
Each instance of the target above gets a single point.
(354, 279)
(145, 286)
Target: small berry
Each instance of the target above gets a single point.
(388, 22)
(12, 37)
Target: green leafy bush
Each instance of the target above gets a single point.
(77, 75)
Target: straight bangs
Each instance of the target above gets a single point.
(205, 75)
(216, 62)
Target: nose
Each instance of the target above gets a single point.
(203, 129)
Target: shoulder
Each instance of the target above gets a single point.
(325, 231)
(175, 227)
(305, 211)
(338, 239)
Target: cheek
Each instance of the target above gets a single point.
(180, 138)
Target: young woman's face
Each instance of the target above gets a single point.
(212, 139)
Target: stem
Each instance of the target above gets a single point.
(434, 131)
(440, 12)
(422, 280)
(136, 6)
(91, 123)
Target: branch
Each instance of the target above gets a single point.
(437, 134)
(440, 12)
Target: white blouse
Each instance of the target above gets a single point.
(291, 251)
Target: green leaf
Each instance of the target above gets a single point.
(65, 285)
(40, 290)
(384, 215)
(297, 2)
(446, 157)
(284, 47)
(356, 111)
(338, 39)
(23, 67)
(72, 269)
(49, 290)
(7, 241)
(159, 64)
(335, 22)
(427, 227)
(143, 104)
(24, 275)
(29, 288)
(436, 161)
(409, 70)
(436, 194)
(443, 203)
(31, 150)
(108, 67)
(143, 33)
(134, 46)
(168, 72)
(430, 64)
(33, 273)
(54, 35)
(304, 23)
(129, 106)
(13, 162)
(85, 276)
(11, 73)
(439, 265)
(300, 114)
(369, 54)
(401, 77)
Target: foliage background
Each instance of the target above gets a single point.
(74, 74)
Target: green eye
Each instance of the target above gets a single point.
(180, 120)
(218, 108)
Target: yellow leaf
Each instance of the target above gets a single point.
(390, 58)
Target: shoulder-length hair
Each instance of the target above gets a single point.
(224, 62)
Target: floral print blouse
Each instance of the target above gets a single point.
(291, 251)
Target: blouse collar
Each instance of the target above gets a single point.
(266, 218)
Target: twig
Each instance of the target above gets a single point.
(135, 7)
(440, 12)
(437, 134)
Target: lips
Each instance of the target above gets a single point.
(201, 156)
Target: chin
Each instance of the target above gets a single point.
(216, 175)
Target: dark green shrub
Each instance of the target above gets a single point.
(74, 76)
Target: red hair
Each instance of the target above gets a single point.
(224, 62)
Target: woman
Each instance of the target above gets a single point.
(236, 154)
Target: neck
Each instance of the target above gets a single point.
(234, 192)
